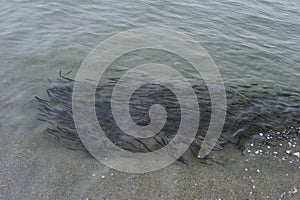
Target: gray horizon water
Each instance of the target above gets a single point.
(251, 42)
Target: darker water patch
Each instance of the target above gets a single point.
(252, 109)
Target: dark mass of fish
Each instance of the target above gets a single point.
(251, 109)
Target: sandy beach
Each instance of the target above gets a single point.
(42, 168)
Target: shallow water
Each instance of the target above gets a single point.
(251, 42)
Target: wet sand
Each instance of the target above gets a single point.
(42, 168)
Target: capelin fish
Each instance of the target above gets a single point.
(250, 111)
